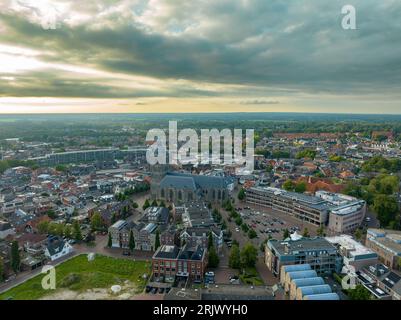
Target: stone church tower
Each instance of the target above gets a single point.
(158, 172)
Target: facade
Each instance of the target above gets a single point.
(180, 187)
(82, 156)
(321, 255)
(339, 212)
(387, 245)
(170, 262)
(57, 248)
(355, 255)
(200, 236)
(157, 215)
(115, 232)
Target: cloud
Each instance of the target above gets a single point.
(262, 102)
(243, 49)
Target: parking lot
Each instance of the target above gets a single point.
(270, 222)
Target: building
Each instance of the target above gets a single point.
(387, 245)
(157, 215)
(115, 233)
(304, 282)
(180, 187)
(321, 255)
(171, 262)
(57, 248)
(196, 214)
(146, 238)
(355, 255)
(312, 290)
(5, 229)
(200, 236)
(323, 296)
(339, 212)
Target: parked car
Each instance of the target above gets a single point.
(148, 289)
(153, 291)
(161, 290)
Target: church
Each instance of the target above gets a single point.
(181, 187)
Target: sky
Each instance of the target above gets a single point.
(61, 56)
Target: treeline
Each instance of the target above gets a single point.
(7, 164)
(381, 164)
(379, 193)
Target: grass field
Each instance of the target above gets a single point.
(79, 274)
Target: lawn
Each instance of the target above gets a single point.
(251, 276)
(79, 274)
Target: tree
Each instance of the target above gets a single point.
(51, 214)
(210, 240)
(96, 221)
(252, 234)
(146, 204)
(157, 240)
(359, 293)
(134, 205)
(263, 245)
(358, 234)
(213, 260)
(248, 255)
(305, 234)
(154, 203)
(386, 208)
(113, 218)
(131, 241)
(241, 194)
(162, 204)
(288, 185)
(15, 256)
(234, 260)
(1, 269)
(77, 234)
(109, 241)
(286, 234)
(320, 231)
(43, 227)
(67, 231)
(300, 187)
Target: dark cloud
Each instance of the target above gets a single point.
(292, 45)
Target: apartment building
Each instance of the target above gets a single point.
(387, 245)
(171, 262)
(321, 255)
(341, 213)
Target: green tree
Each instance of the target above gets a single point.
(154, 203)
(134, 205)
(96, 221)
(386, 208)
(248, 255)
(51, 214)
(359, 293)
(43, 227)
(157, 240)
(131, 241)
(252, 234)
(210, 240)
(77, 234)
(241, 194)
(213, 259)
(320, 231)
(15, 256)
(358, 234)
(286, 234)
(67, 231)
(300, 187)
(289, 185)
(234, 260)
(1, 269)
(109, 241)
(162, 204)
(305, 234)
(263, 245)
(146, 204)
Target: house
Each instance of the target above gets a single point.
(57, 248)
(171, 262)
(157, 215)
(200, 236)
(5, 229)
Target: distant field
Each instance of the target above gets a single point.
(78, 274)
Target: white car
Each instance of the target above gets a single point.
(236, 229)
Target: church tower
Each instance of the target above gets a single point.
(158, 172)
